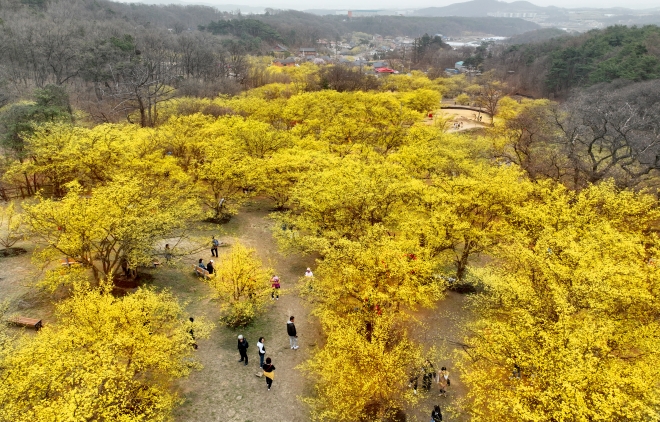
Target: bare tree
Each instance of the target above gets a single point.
(490, 94)
(144, 82)
(343, 78)
(235, 63)
(60, 44)
(141, 87)
(612, 130)
(532, 143)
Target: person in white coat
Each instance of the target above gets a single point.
(262, 351)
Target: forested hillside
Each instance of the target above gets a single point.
(115, 57)
(331, 25)
(557, 65)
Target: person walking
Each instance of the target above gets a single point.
(436, 414)
(214, 246)
(168, 253)
(293, 334)
(192, 333)
(429, 374)
(269, 372)
(414, 379)
(275, 285)
(262, 351)
(242, 348)
(443, 381)
(209, 267)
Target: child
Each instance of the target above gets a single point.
(275, 284)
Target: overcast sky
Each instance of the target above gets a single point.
(417, 4)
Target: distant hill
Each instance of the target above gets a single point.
(566, 62)
(330, 26)
(579, 19)
(536, 36)
(477, 8)
(221, 7)
(321, 12)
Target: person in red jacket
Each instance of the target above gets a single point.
(275, 284)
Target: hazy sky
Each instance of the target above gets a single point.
(416, 4)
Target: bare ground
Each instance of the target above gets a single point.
(17, 277)
(226, 390)
(467, 117)
(442, 327)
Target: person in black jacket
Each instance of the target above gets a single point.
(192, 333)
(209, 267)
(269, 372)
(429, 374)
(242, 348)
(436, 415)
(293, 335)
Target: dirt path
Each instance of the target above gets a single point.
(442, 327)
(17, 277)
(15, 271)
(225, 390)
(468, 118)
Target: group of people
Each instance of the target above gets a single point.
(275, 284)
(458, 125)
(214, 253)
(427, 371)
(208, 267)
(428, 374)
(266, 363)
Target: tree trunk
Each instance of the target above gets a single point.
(462, 262)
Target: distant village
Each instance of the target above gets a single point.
(375, 56)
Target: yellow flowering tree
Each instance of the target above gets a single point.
(107, 358)
(116, 226)
(422, 100)
(377, 274)
(11, 225)
(361, 372)
(346, 201)
(242, 284)
(469, 214)
(282, 171)
(568, 321)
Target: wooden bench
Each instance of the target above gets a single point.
(27, 322)
(201, 272)
(67, 262)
